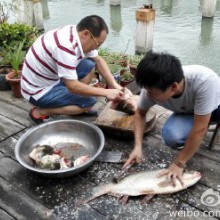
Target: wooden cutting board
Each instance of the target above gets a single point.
(118, 120)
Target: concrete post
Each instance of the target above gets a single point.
(206, 31)
(115, 2)
(144, 32)
(208, 9)
(45, 9)
(30, 13)
(115, 18)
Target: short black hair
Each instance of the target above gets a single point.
(158, 70)
(94, 24)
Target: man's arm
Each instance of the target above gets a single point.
(74, 86)
(104, 70)
(195, 137)
(139, 128)
(192, 144)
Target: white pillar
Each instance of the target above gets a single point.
(145, 29)
(45, 9)
(208, 9)
(115, 18)
(206, 31)
(30, 13)
(115, 2)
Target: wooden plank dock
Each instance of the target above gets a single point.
(25, 195)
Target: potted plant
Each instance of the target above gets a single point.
(15, 57)
(126, 77)
(115, 70)
(134, 61)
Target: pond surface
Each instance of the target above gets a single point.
(179, 27)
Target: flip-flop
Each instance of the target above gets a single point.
(37, 120)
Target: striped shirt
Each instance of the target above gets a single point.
(53, 56)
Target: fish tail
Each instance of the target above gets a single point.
(96, 192)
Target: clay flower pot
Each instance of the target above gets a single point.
(125, 82)
(126, 77)
(15, 83)
(133, 69)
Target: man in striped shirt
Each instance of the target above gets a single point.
(59, 67)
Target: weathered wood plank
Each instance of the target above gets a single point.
(7, 146)
(5, 216)
(18, 135)
(15, 113)
(8, 127)
(51, 193)
(21, 103)
(68, 210)
(194, 199)
(21, 206)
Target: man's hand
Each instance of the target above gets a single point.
(174, 173)
(114, 94)
(128, 92)
(135, 156)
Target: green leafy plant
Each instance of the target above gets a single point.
(127, 76)
(104, 52)
(15, 57)
(114, 68)
(11, 34)
(135, 59)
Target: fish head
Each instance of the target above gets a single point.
(191, 177)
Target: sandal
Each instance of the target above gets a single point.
(37, 120)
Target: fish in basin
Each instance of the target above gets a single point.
(40, 151)
(143, 183)
(47, 157)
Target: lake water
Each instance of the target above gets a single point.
(179, 27)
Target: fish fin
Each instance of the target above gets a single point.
(165, 183)
(96, 192)
(123, 199)
(147, 198)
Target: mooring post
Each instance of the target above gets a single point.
(45, 9)
(115, 18)
(30, 12)
(208, 9)
(145, 17)
(115, 2)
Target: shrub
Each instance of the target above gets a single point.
(12, 34)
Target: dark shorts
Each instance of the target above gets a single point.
(60, 96)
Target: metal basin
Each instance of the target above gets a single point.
(55, 132)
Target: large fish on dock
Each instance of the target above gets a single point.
(144, 183)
